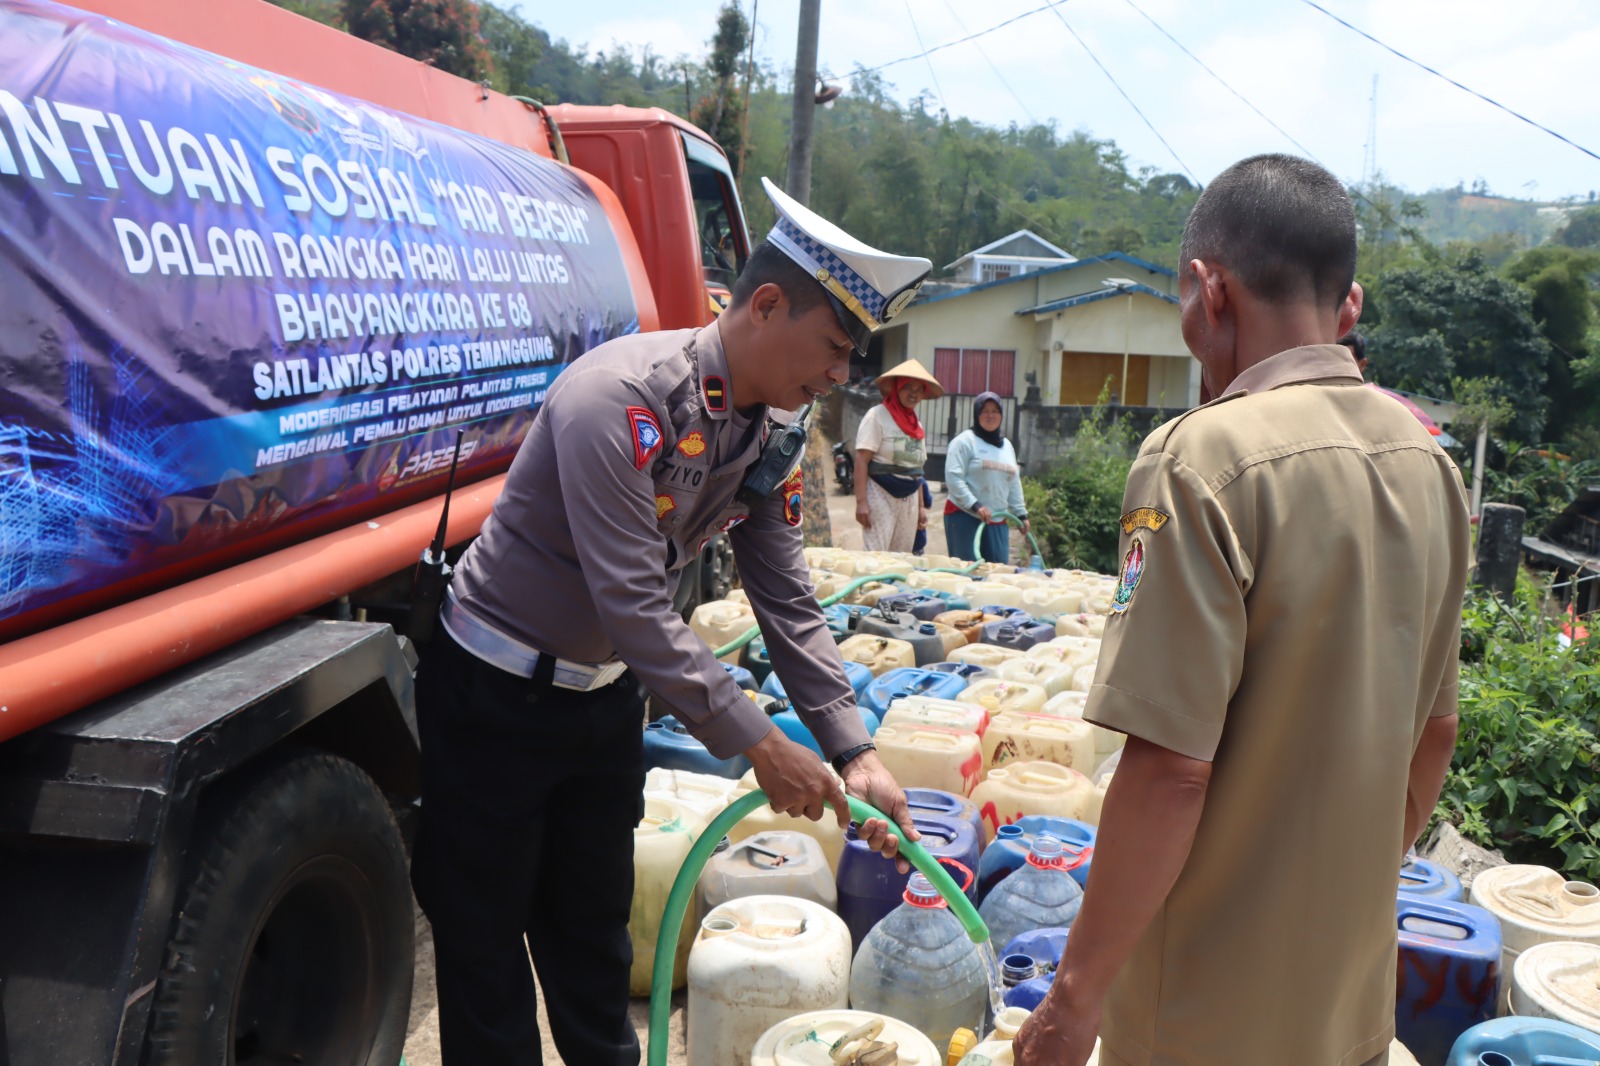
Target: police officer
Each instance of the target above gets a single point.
(560, 614)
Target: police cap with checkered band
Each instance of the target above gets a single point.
(866, 287)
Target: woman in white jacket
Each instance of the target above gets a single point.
(983, 479)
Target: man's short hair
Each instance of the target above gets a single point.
(769, 265)
(1356, 343)
(1284, 226)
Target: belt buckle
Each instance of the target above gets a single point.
(608, 674)
(581, 678)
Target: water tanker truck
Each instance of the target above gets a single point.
(262, 284)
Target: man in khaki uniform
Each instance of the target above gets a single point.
(1282, 654)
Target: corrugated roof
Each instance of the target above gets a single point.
(1091, 297)
(1108, 257)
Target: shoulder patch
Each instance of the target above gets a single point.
(716, 393)
(1144, 518)
(693, 445)
(793, 498)
(665, 505)
(1128, 577)
(646, 436)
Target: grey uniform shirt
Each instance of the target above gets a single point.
(632, 463)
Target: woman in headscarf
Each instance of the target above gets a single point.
(890, 451)
(983, 479)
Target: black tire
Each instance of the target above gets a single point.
(293, 939)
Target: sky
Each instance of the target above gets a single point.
(1308, 74)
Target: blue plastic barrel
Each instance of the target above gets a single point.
(667, 744)
(967, 672)
(1449, 973)
(796, 730)
(741, 677)
(910, 681)
(946, 805)
(1009, 848)
(1525, 1042)
(1419, 877)
(858, 674)
(870, 886)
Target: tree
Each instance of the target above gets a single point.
(1561, 281)
(514, 49)
(1459, 319)
(441, 33)
(1582, 229)
(720, 113)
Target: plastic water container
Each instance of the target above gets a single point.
(878, 654)
(992, 594)
(870, 886)
(1045, 947)
(997, 695)
(1052, 599)
(1019, 789)
(827, 582)
(987, 656)
(1419, 877)
(755, 962)
(742, 677)
(924, 606)
(968, 623)
(1018, 635)
(868, 594)
(930, 641)
(838, 618)
(756, 660)
(968, 672)
(661, 842)
(1008, 851)
(1015, 737)
(828, 1038)
(1449, 973)
(941, 714)
(926, 757)
(778, 863)
(668, 744)
(1536, 904)
(795, 728)
(856, 673)
(1067, 651)
(919, 965)
(910, 681)
(954, 584)
(829, 558)
(1068, 704)
(995, 1049)
(700, 796)
(1054, 678)
(1081, 625)
(1524, 1042)
(1042, 894)
(1559, 980)
(764, 819)
(933, 801)
(721, 622)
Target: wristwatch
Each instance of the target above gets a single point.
(844, 757)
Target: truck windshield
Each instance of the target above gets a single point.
(724, 245)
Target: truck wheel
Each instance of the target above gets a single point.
(293, 939)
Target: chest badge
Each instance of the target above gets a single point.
(646, 432)
(665, 505)
(693, 446)
(716, 392)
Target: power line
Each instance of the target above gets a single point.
(963, 40)
(1125, 96)
(1452, 81)
(984, 53)
(936, 86)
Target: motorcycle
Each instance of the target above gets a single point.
(844, 468)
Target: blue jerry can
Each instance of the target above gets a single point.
(1419, 877)
(741, 677)
(1525, 1042)
(910, 681)
(667, 744)
(858, 674)
(1449, 973)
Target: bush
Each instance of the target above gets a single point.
(1075, 509)
(1523, 777)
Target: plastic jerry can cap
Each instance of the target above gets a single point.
(1010, 832)
(921, 893)
(1047, 853)
(927, 628)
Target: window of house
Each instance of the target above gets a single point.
(969, 371)
(996, 271)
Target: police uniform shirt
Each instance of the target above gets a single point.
(630, 466)
(1288, 608)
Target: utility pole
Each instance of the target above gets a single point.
(744, 118)
(797, 183)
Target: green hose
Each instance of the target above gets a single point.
(689, 873)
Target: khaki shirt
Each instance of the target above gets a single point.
(630, 466)
(1289, 609)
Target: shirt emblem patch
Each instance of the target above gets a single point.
(646, 436)
(693, 445)
(730, 523)
(793, 512)
(1144, 518)
(665, 505)
(716, 392)
(1128, 577)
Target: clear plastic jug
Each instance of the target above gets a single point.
(941, 714)
(985, 655)
(1021, 788)
(1040, 895)
(927, 757)
(919, 965)
(1053, 677)
(996, 695)
(878, 654)
(775, 863)
(1015, 737)
(660, 844)
(755, 962)
(721, 622)
(829, 1038)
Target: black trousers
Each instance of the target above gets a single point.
(530, 795)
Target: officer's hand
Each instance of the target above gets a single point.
(985, 514)
(795, 780)
(865, 777)
(1058, 1034)
(864, 515)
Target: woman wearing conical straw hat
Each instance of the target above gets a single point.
(890, 452)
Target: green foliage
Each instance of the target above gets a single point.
(441, 33)
(1075, 508)
(1539, 480)
(1523, 776)
(721, 111)
(1581, 230)
(1561, 281)
(514, 48)
(327, 12)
